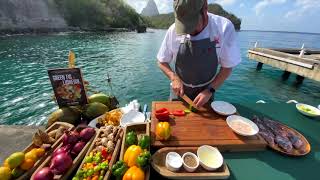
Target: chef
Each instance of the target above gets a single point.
(196, 44)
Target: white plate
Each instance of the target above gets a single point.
(231, 120)
(316, 111)
(131, 117)
(223, 108)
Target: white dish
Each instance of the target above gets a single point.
(242, 125)
(223, 108)
(188, 168)
(309, 110)
(210, 157)
(131, 117)
(173, 161)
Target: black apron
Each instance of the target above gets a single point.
(196, 64)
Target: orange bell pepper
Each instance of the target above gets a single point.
(134, 173)
(163, 131)
(131, 154)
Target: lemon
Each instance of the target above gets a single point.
(5, 173)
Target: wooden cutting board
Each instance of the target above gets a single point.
(202, 128)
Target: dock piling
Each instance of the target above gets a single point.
(299, 79)
(259, 66)
(286, 75)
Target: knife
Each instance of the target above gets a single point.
(189, 101)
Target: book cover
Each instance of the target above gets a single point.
(68, 86)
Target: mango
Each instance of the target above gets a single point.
(15, 159)
(5, 173)
(95, 109)
(101, 98)
(67, 114)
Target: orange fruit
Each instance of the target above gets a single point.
(5, 163)
(27, 164)
(31, 155)
(40, 152)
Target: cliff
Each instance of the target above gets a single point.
(163, 21)
(151, 9)
(30, 15)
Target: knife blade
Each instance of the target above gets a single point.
(189, 101)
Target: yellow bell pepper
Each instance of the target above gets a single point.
(163, 131)
(131, 154)
(134, 173)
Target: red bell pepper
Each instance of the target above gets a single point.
(178, 113)
(162, 114)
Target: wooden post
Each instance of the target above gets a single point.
(286, 75)
(299, 79)
(259, 66)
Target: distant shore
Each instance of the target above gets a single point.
(25, 31)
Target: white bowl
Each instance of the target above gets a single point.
(311, 108)
(173, 156)
(188, 168)
(223, 108)
(207, 153)
(234, 118)
(131, 117)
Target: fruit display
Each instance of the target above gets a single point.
(70, 115)
(111, 118)
(22, 164)
(134, 165)
(99, 157)
(163, 131)
(66, 155)
(94, 110)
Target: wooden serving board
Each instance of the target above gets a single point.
(54, 126)
(141, 129)
(159, 160)
(75, 163)
(115, 153)
(202, 128)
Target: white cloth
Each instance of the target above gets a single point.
(228, 51)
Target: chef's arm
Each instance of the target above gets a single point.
(223, 74)
(176, 83)
(166, 69)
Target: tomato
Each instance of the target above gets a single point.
(162, 114)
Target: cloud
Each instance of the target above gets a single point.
(259, 7)
(164, 6)
(242, 5)
(303, 7)
(225, 2)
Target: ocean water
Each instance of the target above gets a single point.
(130, 59)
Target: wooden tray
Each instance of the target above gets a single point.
(76, 161)
(295, 152)
(114, 155)
(54, 126)
(204, 127)
(159, 160)
(141, 129)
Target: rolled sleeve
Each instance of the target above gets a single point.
(165, 52)
(230, 51)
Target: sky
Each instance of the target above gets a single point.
(266, 15)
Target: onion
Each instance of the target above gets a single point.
(70, 137)
(60, 163)
(44, 174)
(63, 149)
(86, 134)
(78, 147)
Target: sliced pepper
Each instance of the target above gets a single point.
(178, 113)
(162, 114)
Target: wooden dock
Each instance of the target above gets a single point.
(302, 62)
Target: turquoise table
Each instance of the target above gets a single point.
(271, 165)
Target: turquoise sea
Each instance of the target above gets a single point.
(26, 93)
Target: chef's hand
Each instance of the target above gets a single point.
(177, 86)
(202, 98)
